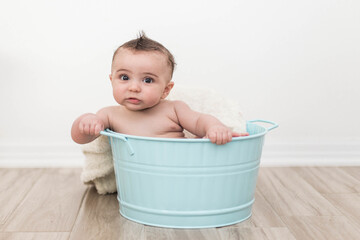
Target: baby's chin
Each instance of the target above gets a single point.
(136, 108)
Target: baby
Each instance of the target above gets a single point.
(141, 74)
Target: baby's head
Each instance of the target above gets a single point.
(141, 73)
(143, 43)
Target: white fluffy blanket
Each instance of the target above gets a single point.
(98, 169)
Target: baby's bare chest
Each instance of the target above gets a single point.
(146, 123)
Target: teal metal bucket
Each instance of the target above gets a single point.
(187, 183)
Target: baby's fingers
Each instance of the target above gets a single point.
(81, 128)
(212, 137)
(229, 137)
(84, 128)
(235, 134)
(222, 138)
(95, 128)
(98, 128)
(92, 128)
(226, 137)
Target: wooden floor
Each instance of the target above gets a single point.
(291, 203)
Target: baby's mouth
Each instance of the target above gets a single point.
(133, 100)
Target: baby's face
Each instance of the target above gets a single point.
(140, 79)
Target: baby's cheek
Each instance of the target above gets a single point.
(153, 100)
(117, 96)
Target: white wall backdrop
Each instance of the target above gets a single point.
(294, 62)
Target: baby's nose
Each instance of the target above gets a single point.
(135, 86)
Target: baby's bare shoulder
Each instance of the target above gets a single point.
(173, 105)
(110, 111)
(180, 105)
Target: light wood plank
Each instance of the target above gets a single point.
(353, 171)
(255, 234)
(99, 218)
(291, 203)
(263, 215)
(321, 228)
(348, 204)
(290, 195)
(329, 179)
(51, 205)
(14, 185)
(153, 233)
(34, 236)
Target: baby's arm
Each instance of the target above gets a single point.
(88, 126)
(203, 125)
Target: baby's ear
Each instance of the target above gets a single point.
(110, 77)
(167, 90)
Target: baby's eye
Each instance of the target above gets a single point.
(124, 77)
(148, 80)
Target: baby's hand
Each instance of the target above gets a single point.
(91, 125)
(220, 134)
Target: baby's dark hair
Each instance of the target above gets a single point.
(143, 43)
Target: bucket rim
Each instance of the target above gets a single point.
(110, 133)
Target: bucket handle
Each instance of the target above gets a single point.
(274, 125)
(124, 139)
